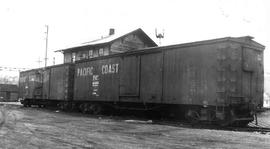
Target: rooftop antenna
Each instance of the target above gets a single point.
(159, 35)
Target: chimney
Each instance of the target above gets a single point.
(111, 31)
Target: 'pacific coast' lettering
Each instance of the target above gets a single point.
(87, 71)
(109, 68)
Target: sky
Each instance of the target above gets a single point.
(22, 27)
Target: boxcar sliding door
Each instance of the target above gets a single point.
(129, 78)
(151, 77)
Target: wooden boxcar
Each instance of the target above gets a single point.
(58, 83)
(48, 86)
(219, 79)
(30, 84)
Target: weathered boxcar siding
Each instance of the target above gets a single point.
(253, 73)
(30, 84)
(82, 82)
(129, 78)
(97, 80)
(229, 70)
(22, 84)
(109, 79)
(58, 82)
(35, 84)
(151, 77)
(243, 73)
(191, 74)
(46, 83)
(69, 87)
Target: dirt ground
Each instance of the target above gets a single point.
(263, 119)
(39, 128)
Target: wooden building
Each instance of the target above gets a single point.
(111, 44)
(8, 92)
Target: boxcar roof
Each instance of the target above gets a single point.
(43, 68)
(29, 70)
(247, 40)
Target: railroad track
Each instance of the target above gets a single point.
(263, 129)
(263, 126)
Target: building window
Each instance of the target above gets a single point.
(106, 51)
(67, 57)
(95, 53)
(90, 53)
(79, 56)
(100, 51)
(73, 57)
(83, 56)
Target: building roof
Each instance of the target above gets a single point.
(109, 39)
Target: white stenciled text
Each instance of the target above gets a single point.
(109, 68)
(86, 71)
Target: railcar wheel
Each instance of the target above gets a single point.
(67, 106)
(74, 106)
(212, 116)
(27, 104)
(24, 104)
(61, 105)
(84, 108)
(95, 109)
(193, 116)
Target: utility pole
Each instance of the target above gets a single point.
(46, 50)
(39, 61)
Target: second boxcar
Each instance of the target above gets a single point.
(58, 83)
(30, 84)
